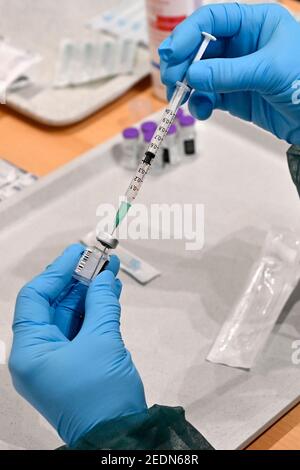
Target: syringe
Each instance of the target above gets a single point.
(182, 88)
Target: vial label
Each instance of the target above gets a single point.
(90, 265)
(83, 260)
(189, 147)
(166, 155)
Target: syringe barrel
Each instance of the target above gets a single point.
(137, 182)
(161, 131)
(168, 117)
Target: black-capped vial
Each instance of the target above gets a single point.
(188, 135)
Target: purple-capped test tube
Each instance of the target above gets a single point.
(187, 120)
(172, 129)
(148, 136)
(130, 147)
(179, 114)
(131, 133)
(188, 135)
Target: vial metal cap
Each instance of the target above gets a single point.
(107, 240)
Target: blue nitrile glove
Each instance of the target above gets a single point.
(252, 71)
(80, 383)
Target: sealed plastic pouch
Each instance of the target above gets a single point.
(271, 282)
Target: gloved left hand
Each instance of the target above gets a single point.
(80, 382)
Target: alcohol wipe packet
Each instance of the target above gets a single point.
(271, 282)
(136, 267)
(13, 64)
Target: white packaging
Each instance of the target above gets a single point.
(126, 21)
(136, 267)
(8, 173)
(13, 179)
(24, 180)
(128, 56)
(64, 63)
(80, 63)
(163, 16)
(9, 190)
(13, 64)
(271, 282)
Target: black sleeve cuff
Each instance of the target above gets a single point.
(159, 428)
(293, 157)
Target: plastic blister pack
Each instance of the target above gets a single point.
(272, 280)
(126, 20)
(84, 62)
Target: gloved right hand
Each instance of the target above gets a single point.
(252, 71)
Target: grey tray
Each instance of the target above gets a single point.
(170, 324)
(39, 26)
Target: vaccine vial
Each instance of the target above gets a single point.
(171, 152)
(130, 148)
(188, 135)
(157, 163)
(95, 258)
(90, 264)
(179, 114)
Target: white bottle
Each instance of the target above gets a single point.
(130, 148)
(170, 146)
(188, 136)
(163, 16)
